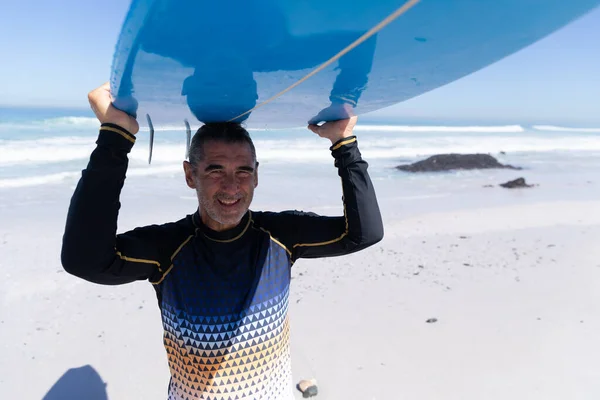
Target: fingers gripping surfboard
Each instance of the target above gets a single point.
(284, 63)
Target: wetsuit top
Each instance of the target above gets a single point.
(223, 296)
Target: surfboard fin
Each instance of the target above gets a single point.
(151, 128)
(188, 137)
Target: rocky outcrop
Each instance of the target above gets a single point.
(449, 162)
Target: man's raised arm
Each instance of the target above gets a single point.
(91, 249)
(308, 235)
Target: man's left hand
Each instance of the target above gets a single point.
(335, 130)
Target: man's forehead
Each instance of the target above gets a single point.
(214, 149)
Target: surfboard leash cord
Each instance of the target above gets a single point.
(382, 24)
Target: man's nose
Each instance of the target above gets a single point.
(229, 183)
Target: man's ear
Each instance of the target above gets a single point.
(189, 174)
(256, 175)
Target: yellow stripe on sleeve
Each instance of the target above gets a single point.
(329, 241)
(345, 142)
(276, 241)
(120, 132)
(140, 260)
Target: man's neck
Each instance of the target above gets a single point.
(217, 226)
(225, 232)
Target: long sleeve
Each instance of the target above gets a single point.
(91, 248)
(308, 235)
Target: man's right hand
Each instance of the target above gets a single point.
(101, 103)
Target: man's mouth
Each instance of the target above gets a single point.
(228, 203)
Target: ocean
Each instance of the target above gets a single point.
(49, 147)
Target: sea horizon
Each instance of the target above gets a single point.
(49, 146)
(19, 112)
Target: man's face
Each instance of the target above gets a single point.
(224, 181)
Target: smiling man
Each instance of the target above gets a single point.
(221, 274)
(224, 171)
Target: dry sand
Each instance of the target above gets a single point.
(514, 291)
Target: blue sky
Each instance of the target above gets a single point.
(59, 50)
(556, 79)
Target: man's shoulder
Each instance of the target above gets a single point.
(155, 242)
(281, 222)
(274, 217)
(163, 231)
(185, 224)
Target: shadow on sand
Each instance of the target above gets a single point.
(78, 384)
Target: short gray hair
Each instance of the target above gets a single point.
(227, 132)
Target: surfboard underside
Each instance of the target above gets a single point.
(254, 61)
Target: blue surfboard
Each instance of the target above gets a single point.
(283, 63)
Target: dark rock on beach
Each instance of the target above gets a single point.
(517, 183)
(311, 391)
(448, 162)
(308, 388)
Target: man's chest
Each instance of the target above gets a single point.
(228, 328)
(225, 281)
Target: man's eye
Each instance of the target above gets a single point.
(216, 172)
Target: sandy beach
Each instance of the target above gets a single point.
(476, 292)
(508, 281)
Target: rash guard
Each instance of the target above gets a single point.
(223, 296)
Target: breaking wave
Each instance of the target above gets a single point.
(551, 128)
(441, 129)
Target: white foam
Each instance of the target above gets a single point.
(441, 129)
(411, 147)
(169, 128)
(14, 153)
(38, 180)
(73, 176)
(52, 123)
(47, 150)
(155, 170)
(551, 128)
(70, 121)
